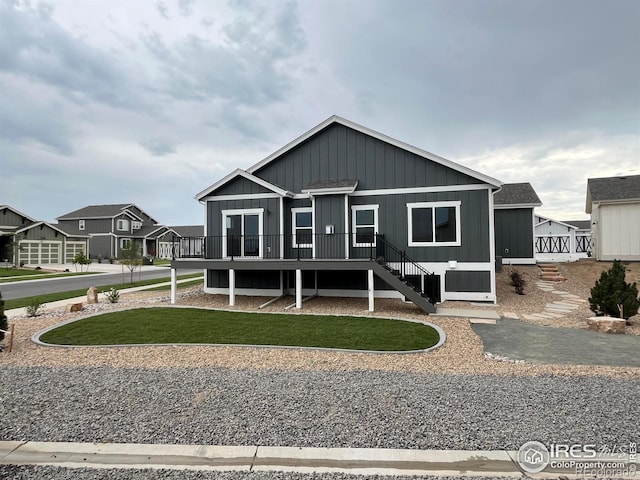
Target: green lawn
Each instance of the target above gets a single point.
(194, 325)
(18, 275)
(52, 297)
(18, 272)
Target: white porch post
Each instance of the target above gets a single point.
(371, 289)
(232, 287)
(174, 286)
(298, 288)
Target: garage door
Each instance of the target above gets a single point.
(34, 252)
(73, 248)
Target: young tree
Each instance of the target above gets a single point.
(131, 258)
(81, 259)
(4, 325)
(613, 296)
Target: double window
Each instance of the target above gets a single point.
(125, 243)
(364, 225)
(122, 225)
(434, 224)
(302, 226)
(242, 233)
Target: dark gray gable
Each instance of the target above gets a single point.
(614, 188)
(341, 152)
(10, 217)
(240, 186)
(516, 194)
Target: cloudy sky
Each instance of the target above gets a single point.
(151, 101)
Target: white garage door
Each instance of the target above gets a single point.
(620, 229)
(73, 248)
(35, 252)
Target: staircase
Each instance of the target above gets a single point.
(403, 274)
(550, 273)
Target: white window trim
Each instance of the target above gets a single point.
(355, 208)
(120, 222)
(293, 226)
(242, 211)
(411, 206)
(81, 224)
(122, 241)
(136, 225)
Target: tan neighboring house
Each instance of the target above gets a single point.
(614, 205)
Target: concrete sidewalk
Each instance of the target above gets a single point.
(17, 312)
(356, 461)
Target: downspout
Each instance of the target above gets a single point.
(492, 243)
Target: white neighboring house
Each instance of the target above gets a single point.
(614, 205)
(562, 241)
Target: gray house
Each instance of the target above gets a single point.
(25, 241)
(515, 222)
(188, 238)
(346, 211)
(112, 228)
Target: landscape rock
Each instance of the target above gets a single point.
(607, 324)
(92, 295)
(74, 307)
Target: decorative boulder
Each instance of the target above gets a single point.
(92, 295)
(74, 307)
(607, 324)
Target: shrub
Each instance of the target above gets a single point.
(611, 292)
(113, 295)
(518, 282)
(34, 308)
(4, 325)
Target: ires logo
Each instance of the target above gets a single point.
(559, 451)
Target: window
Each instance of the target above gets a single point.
(80, 224)
(136, 225)
(436, 223)
(242, 233)
(302, 227)
(125, 243)
(122, 225)
(364, 225)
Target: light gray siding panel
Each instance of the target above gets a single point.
(339, 152)
(514, 233)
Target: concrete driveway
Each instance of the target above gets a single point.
(519, 340)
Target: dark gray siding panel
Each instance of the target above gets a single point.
(514, 233)
(339, 152)
(329, 210)
(474, 229)
(241, 186)
(270, 216)
(244, 279)
(461, 281)
(100, 246)
(41, 232)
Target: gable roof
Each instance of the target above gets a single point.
(367, 131)
(189, 230)
(516, 195)
(612, 189)
(53, 227)
(579, 224)
(238, 172)
(102, 211)
(17, 212)
(544, 219)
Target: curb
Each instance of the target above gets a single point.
(357, 461)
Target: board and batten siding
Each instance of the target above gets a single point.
(241, 186)
(9, 218)
(514, 234)
(340, 152)
(618, 228)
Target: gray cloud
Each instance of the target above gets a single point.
(158, 147)
(186, 7)
(162, 9)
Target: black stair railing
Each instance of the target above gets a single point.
(406, 269)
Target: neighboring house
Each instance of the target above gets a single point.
(558, 241)
(514, 204)
(188, 238)
(614, 205)
(25, 241)
(112, 228)
(346, 211)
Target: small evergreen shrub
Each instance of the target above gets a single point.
(34, 308)
(4, 325)
(518, 282)
(612, 291)
(113, 295)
